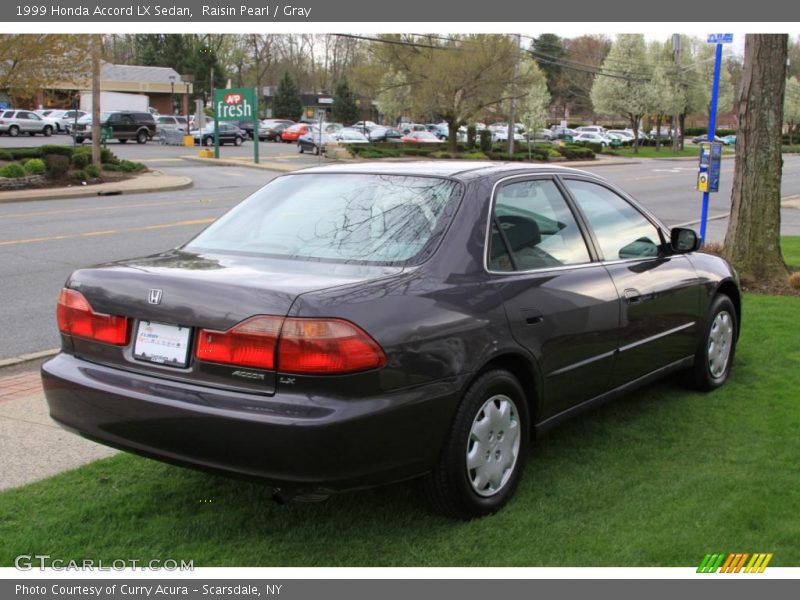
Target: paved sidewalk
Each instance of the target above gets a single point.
(154, 181)
(32, 445)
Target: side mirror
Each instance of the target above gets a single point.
(683, 240)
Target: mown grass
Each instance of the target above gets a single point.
(663, 152)
(790, 246)
(658, 478)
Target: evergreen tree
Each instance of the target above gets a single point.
(287, 104)
(345, 109)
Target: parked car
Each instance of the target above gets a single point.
(176, 122)
(409, 127)
(704, 138)
(123, 125)
(591, 129)
(385, 134)
(621, 133)
(14, 121)
(63, 120)
(561, 133)
(729, 140)
(500, 134)
(293, 132)
(350, 135)
(315, 142)
(420, 137)
(346, 327)
(273, 131)
(592, 138)
(228, 134)
(364, 126)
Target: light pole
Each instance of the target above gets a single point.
(172, 94)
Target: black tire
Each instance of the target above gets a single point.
(208, 141)
(13, 131)
(123, 140)
(47, 131)
(300, 148)
(278, 138)
(141, 137)
(452, 487)
(78, 140)
(237, 141)
(707, 373)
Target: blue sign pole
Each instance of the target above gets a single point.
(712, 128)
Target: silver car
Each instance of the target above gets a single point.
(13, 122)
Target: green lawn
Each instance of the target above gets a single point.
(658, 478)
(663, 152)
(790, 246)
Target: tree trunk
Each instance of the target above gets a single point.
(682, 135)
(635, 126)
(752, 243)
(452, 135)
(658, 132)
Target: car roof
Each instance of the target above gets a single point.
(441, 168)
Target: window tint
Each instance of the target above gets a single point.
(8, 114)
(537, 228)
(620, 229)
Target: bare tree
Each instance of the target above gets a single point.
(752, 243)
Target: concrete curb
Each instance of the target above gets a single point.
(23, 358)
(264, 166)
(142, 184)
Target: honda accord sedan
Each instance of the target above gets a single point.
(349, 326)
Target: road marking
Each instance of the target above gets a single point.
(107, 232)
(64, 211)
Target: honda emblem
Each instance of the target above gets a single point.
(154, 297)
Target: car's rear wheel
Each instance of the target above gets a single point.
(714, 356)
(209, 141)
(278, 138)
(47, 131)
(141, 137)
(13, 131)
(237, 141)
(484, 454)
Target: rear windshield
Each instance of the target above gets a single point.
(373, 219)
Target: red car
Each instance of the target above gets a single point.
(421, 137)
(291, 134)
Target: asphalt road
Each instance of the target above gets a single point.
(41, 242)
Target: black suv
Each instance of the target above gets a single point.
(124, 125)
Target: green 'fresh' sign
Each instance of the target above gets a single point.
(234, 104)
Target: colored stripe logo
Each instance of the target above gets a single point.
(734, 562)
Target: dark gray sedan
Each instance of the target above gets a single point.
(349, 326)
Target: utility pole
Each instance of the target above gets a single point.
(676, 54)
(511, 116)
(96, 132)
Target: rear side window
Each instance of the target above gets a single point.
(341, 217)
(8, 114)
(533, 228)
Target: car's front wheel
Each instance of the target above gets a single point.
(141, 137)
(714, 356)
(209, 141)
(484, 454)
(237, 141)
(47, 131)
(13, 131)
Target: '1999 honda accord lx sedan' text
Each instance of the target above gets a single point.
(348, 326)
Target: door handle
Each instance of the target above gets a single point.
(532, 316)
(632, 296)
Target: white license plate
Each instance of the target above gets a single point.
(161, 343)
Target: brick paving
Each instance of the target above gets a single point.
(20, 385)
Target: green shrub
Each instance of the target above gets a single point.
(440, 154)
(125, 166)
(92, 171)
(107, 156)
(486, 140)
(472, 134)
(80, 175)
(573, 152)
(52, 149)
(35, 166)
(81, 160)
(475, 156)
(57, 165)
(12, 171)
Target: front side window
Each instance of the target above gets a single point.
(621, 230)
(341, 217)
(533, 228)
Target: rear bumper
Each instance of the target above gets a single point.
(291, 441)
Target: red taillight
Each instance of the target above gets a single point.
(251, 343)
(302, 346)
(76, 317)
(326, 346)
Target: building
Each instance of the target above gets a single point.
(167, 91)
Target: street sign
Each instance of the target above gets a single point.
(720, 38)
